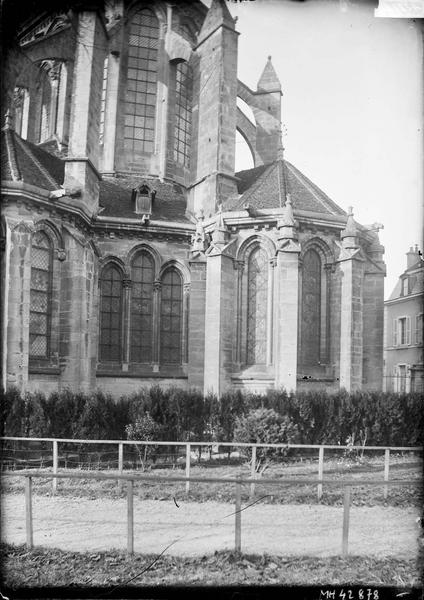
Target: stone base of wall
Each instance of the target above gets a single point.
(314, 385)
(43, 383)
(118, 386)
(256, 386)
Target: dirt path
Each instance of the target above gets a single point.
(93, 525)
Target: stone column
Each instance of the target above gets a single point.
(108, 161)
(373, 317)
(16, 316)
(351, 325)
(286, 302)
(82, 164)
(220, 326)
(77, 355)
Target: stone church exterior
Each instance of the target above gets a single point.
(132, 252)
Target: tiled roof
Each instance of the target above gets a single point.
(115, 198)
(23, 161)
(266, 187)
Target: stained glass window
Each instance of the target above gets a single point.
(182, 131)
(257, 293)
(171, 317)
(46, 93)
(140, 101)
(311, 309)
(40, 296)
(110, 314)
(141, 336)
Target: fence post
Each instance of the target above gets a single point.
(253, 471)
(320, 470)
(130, 516)
(386, 471)
(238, 516)
(55, 464)
(120, 463)
(28, 512)
(346, 514)
(187, 467)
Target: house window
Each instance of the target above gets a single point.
(182, 130)
(419, 329)
(257, 295)
(171, 313)
(110, 314)
(40, 296)
(141, 332)
(405, 286)
(140, 102)
(402, 331)
(311, 309)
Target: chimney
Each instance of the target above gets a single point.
(412, 257)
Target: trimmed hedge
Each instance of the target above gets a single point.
(373, 418)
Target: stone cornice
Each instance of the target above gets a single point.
(36, 198)
(403, 299)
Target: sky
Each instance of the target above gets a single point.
(352, 107)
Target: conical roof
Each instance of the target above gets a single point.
(269, 81)
(266, 187)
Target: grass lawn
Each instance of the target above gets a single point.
(42, 567)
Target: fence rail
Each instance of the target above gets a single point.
(189, 445)
(238, 481)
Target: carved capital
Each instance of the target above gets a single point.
(186, 288)
(126, 283)
(157, 285)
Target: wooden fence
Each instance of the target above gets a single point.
(238, 481)
(189, 445)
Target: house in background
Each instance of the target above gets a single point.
(133, 253)
(403, 345)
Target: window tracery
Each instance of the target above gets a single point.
(40, 296)
(257, 294)
(171, 317)
(141, 309)
(140, 104)
(110, 314)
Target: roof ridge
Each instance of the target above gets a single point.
(11, 154)
(307, 183)
(29, 153)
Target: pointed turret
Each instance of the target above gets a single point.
(268, 115)
(268, 81)
(220, 232)
(350, 232)
(287, 225)
(217, 15)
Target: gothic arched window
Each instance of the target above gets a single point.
(171, 317)
(140, 103)
(182, 129)
(141, 317)
(311, 309)
(40, 296)
(257, 294)
(110, 313)
(21, 105)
